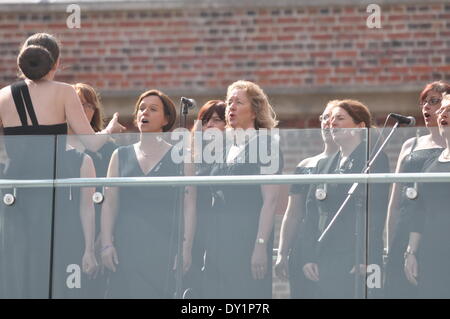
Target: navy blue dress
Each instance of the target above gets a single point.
(431, 218)
(346, 241)
(300, 287)
(396, 284)
(232, 232)
(145, 232)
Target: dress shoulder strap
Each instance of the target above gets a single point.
(20, 95)
(18, 101)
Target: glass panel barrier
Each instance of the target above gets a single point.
(301, 150)
(77, 271)
(26, 223)
(239, 236)
(232, 253)
(238, 219)
(244, 241)
(331, 235)
(124, 246)
(418, 214)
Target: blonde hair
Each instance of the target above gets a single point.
(265, 115)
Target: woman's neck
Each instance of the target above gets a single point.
(47, 78)
(330, 148)
(151, 141)
(349, 146)
(435, 136)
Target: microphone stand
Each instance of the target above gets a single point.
(350, 193)
(179, 209)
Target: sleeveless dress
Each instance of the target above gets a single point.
(431, 218)
(27, 224)
(396, 284)
(145, 234)
(300, 287)
(232, 232)
(345, 241)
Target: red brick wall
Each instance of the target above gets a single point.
(202, 50)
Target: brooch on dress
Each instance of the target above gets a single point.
(321, 193)
(411, 192)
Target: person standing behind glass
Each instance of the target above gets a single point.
(210, 116)
(240, 236)
(414, 153)
(35, 106)
(94, 112)
(93, 109)
(288, 264)
(332, 263)
(427, 255)
(139, 225)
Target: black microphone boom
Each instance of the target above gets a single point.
(401, 119)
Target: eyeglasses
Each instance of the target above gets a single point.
(324, 118)
(432, 101)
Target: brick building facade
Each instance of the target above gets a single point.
(303, 53)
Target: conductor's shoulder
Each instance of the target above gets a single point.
(5, 91)
(63, 85)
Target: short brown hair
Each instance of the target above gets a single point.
(211, 107)
(357, 111)
(92, 98)
(170, 111)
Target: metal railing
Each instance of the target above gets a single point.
(230, 180)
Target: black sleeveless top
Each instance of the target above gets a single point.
(20, 95)
(31, 157)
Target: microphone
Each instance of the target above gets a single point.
(189, 103)
(401, 119)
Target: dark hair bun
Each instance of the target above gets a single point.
(35, 62)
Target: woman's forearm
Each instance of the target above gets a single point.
(190, 216)
(267, 214)
(392, 214)
(414, 241)
(108, 216)
(87, 216)
(289, 225)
